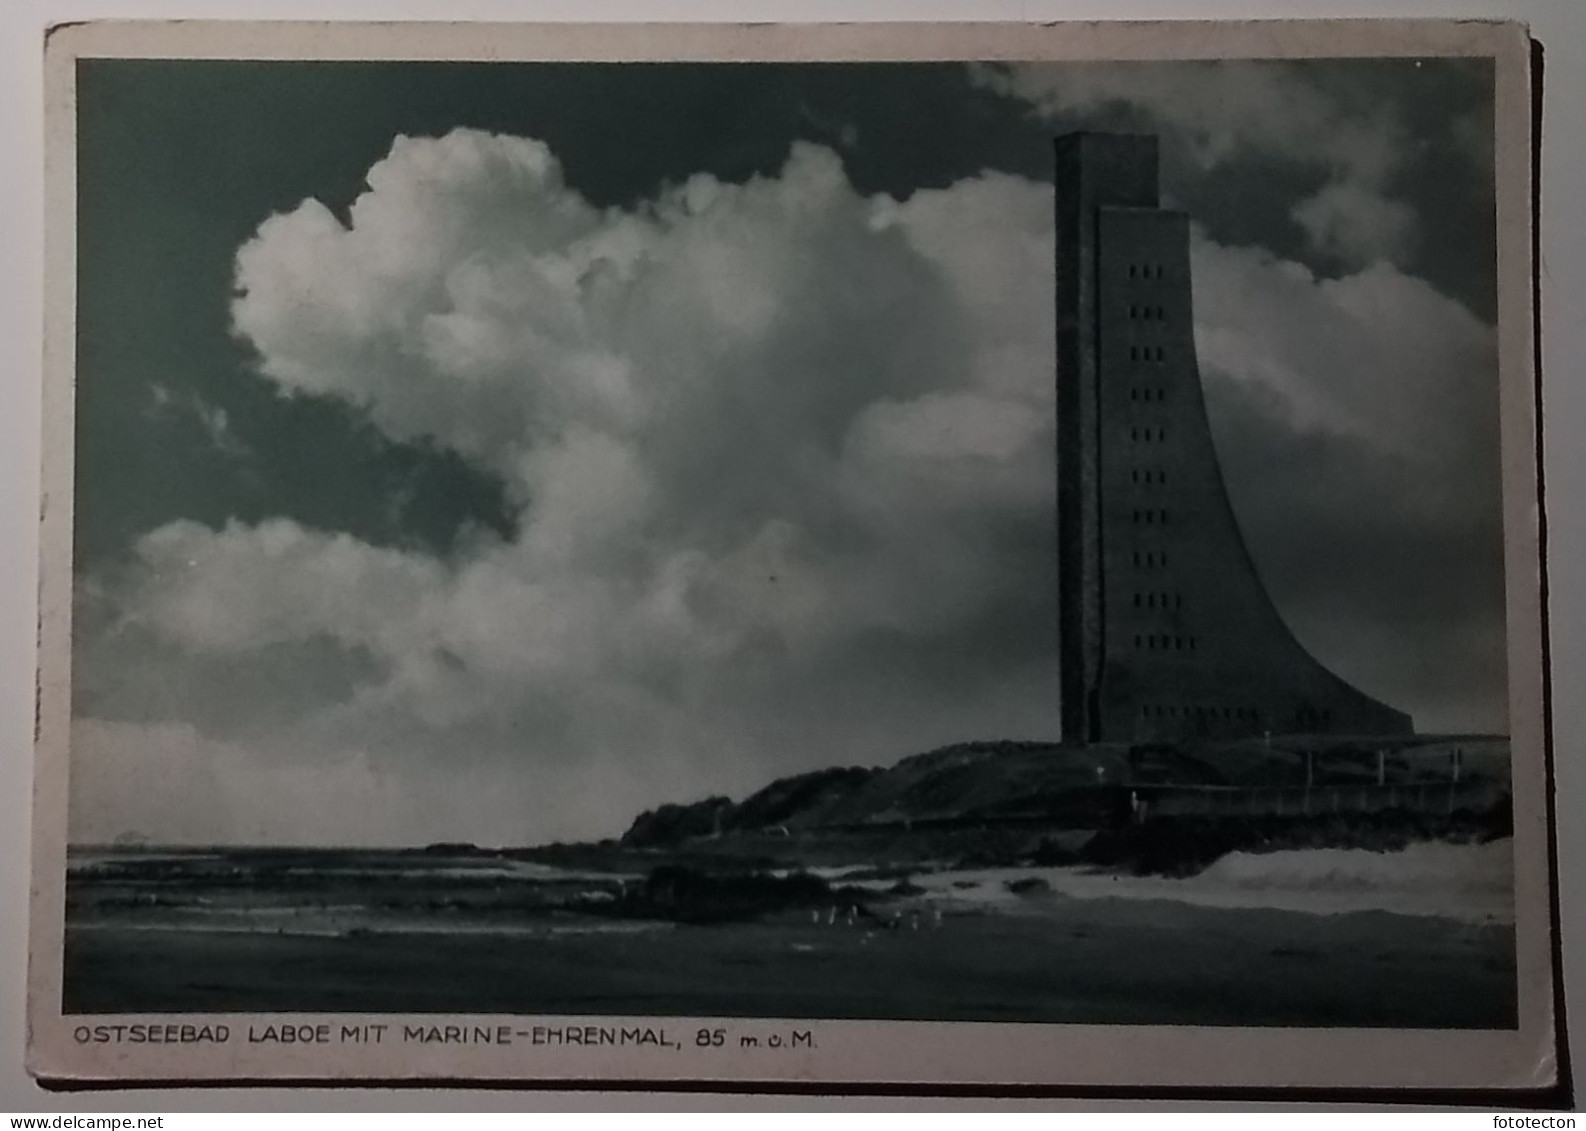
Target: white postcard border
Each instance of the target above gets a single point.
(928, 1054)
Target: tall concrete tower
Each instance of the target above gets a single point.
(1167, 630)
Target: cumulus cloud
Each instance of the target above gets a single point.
(745, 426)
(1355, 222)
(168, 783)
(1216, 112)
(782, 459)
(213, 421)
(1379, 354)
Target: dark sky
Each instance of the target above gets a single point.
(604, 351)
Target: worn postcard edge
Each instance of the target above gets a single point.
(853, 1053)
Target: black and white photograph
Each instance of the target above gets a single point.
(627, 558)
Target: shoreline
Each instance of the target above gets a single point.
(1058, 960)
(1418, 937)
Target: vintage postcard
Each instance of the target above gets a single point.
(837, 556)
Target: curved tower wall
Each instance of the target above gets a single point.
(1167, 630)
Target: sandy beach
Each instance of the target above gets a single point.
(1039, 957)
